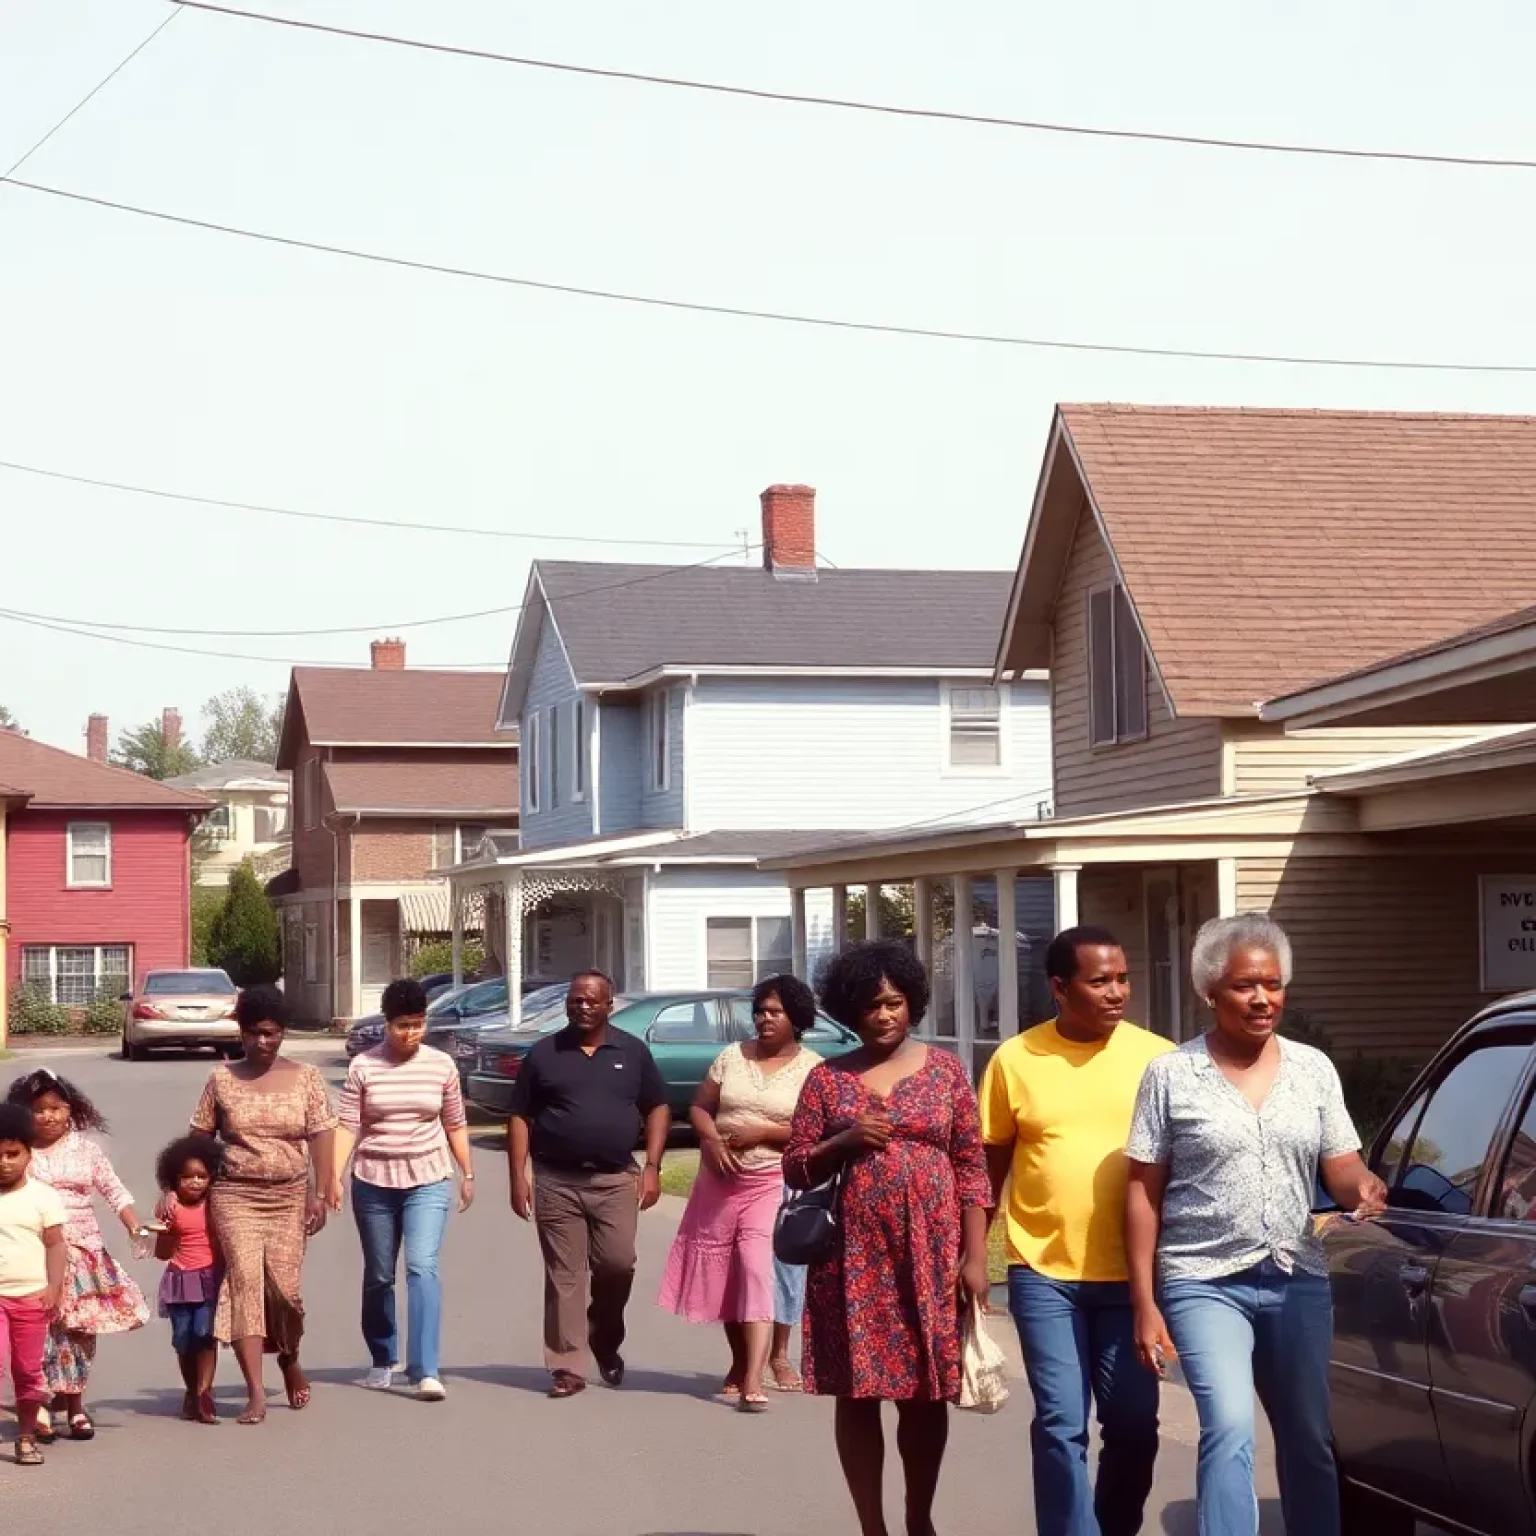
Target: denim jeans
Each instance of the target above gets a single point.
(386, 1220)
(1079, 1341)
(1268, 1330)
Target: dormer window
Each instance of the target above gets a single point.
(1117, 670)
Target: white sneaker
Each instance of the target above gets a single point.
(430, 1390)
(379, 1379)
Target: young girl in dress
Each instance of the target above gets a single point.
(98, 1296)
(189, 1291)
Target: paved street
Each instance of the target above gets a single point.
(657, 1459)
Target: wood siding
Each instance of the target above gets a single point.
(621, 767)
(682, 899)
(1266, 761)
(665, 807)
(1178, 760)
(553, 687)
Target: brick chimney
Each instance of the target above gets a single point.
(170, 728)
(96, 738)
(789, 531)
(388, 655)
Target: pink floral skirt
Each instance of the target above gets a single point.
(720, 1269)
(99, 1297)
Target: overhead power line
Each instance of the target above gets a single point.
(361, 522)
(849, 104)
(782, 317)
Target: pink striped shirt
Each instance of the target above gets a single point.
(401, 1113)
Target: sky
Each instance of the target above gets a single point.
(204, 364)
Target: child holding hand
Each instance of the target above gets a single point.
(189, 1291)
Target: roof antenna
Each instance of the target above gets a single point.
(744, 534)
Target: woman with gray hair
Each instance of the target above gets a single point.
(1229, 1136)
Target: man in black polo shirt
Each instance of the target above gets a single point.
(581, 1099)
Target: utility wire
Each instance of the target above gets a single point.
(338, 517)
(783, 317)
(848, 104)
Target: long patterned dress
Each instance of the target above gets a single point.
(98, 1296)
(881, 1320)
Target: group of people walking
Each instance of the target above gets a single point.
(1157, 1203)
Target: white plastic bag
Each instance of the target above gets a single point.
(983, 1368)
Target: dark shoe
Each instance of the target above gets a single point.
(566, 1384)
(612, 1370)
(81, 1427)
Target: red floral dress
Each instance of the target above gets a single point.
(881, 1320)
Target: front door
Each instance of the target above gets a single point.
(1161, 1008)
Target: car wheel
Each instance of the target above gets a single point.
(125, 1050)
(1361, 1514)
(136, 1052)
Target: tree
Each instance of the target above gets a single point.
(9, 722)
(244, 938)
(145, 750)
(241, 723)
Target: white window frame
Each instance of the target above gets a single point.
(1120, 688)
(578, 751)
(532, 754)
(73, 829)
(311, 793)
(98, 971)
(659, 739)
(953, 770)
(554, 757)
(752, 920)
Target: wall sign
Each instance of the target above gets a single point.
(1508, 932)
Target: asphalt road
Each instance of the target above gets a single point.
(658, 1458)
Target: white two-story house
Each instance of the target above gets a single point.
(680, 723)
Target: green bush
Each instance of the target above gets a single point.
(244, 938)
(436, 957)
(207, 902)
(103, 1017)
(32, 1013)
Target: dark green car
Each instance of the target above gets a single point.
(685, 1031)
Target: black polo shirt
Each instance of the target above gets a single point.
(587, 1111)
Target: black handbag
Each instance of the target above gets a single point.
(809, 1226)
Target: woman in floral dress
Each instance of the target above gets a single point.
(882, 1319)
(98, 1296)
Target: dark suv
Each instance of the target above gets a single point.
(1434, 1351)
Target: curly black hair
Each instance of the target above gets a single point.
(17, 1124)
(83, 1114)
(851, 980)
(259, 1005)
(174, 1158)
(798, 1001)
(403, 998)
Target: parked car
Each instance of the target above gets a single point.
(461, 1011)
(182, 1008)
(1433, 1371)
(685, 1031)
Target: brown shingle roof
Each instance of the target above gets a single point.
(426, 788)
(58, 779)
(1265, 549)
(350, 707)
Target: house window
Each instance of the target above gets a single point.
(219, 823)
(76, 975)
(661, 739)
(741, 950)
(312, 793)
(554, 757)
(271, 821)
(533, 761)
(579, 750)
(90, 853)
(1117, 670)
(975, 728)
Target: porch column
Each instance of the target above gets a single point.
(1007, 953)
(1065, 878)
(512, 917)
(871, 911)
(839, 919)
(456, 906)
(355, 957)
(799, 950)
(964, 971)
(922, 920)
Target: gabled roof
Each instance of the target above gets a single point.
(1263, 550)
(233, 773)
(377, 707)
(426, 788)
(622, 625)
(58, 780)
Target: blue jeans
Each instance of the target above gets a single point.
(1079, 1340)
(386, 1219)
(1262, 1328)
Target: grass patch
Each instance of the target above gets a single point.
(679, 1170)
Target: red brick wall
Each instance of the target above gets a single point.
(392, 850)
(147, 905)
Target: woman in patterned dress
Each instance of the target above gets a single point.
(899, 1118)
(98, 1296)
(275, 1119)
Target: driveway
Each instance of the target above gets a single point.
(657, 1459)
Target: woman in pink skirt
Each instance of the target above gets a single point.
(721, 1266)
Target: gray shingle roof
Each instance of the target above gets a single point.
(620, 621)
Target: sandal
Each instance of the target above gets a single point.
(566, 1384)
(255, 1413)
(45, 1433)
(783, 1377)
(730, 1392)
(207, 1412)
(298, 1396)
(752, 1402)
(27, 1453)
(81, 1427)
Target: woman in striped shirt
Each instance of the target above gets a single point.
(403, 1126)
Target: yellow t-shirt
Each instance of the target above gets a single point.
(1066, 1107)
(26, 1212)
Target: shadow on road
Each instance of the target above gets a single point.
(531, 1378)
(1179, 1518)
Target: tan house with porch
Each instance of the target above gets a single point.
(1182, 566)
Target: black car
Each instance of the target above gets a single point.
(1433, 1372)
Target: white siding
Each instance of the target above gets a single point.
(681, 901)
(552, 684)
(832, 753)
(1267, 761)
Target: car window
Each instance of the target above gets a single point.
(822, 1032)
(1516, 1199)
(1441, 1169)
(1396, 1144)
(187, 983)
(679, 1023)
(825, 1031)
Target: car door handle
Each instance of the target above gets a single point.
(1415, 1278)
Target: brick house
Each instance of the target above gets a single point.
(96, 870)
(396, 775)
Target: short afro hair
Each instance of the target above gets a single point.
(261, 1005)
(17, 1124)
(174, 1158)
(852, 979)
(797, 999)
(403, 999)
(1061, 952)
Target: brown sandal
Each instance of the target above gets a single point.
(783, 1377)
(566, 1384)
(752, 1402)
(27, 1453)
